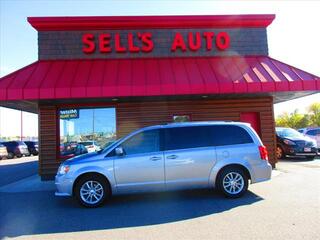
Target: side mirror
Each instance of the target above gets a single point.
(119, 151)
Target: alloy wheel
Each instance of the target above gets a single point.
(279, 152)
(233, 183)
(91, 192)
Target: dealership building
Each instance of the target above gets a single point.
(99, 78)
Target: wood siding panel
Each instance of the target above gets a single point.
(131, 116)
(48, 162)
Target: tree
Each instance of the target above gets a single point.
(293, 120)
(314, 111)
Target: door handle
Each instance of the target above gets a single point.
(172, 157)
(155, 158)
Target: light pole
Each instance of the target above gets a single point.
(21, 133)
(0, 122)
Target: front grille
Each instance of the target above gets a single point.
(301, 143)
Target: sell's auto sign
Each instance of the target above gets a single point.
(193, 41)
(69, 114)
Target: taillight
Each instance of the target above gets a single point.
(263, 153)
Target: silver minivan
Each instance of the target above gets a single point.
(222, 155)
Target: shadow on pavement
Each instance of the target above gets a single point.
(42, 213)
(12, 172)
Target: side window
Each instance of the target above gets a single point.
(187, 137)
(144, 142)
(229, 135)
(312, 132)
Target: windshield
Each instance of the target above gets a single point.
(108, 146)
(288, 132)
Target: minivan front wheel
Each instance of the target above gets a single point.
(233, 182)
(91, 191)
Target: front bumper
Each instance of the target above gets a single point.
(63, 186)
(300, 151)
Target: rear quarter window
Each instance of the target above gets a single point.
(230, 135)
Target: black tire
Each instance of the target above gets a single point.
(236, 172)
(280, 154)
(93, 178)
(19, 156)
(10, 155)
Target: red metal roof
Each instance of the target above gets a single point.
(61, 79)
(146, 22)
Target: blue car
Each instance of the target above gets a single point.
(292, 143)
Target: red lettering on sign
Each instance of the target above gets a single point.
(194, 46)
(117, 43)
(209, 38)
(88, 41)
(104, 43)
(222, 40)
(132, 47)
(178, 42)
(147, 42)
(142, 42)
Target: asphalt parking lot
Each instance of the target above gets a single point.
(287, 207)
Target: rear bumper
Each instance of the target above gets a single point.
(261, 172)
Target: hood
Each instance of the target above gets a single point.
(81, 158)
(301, 138)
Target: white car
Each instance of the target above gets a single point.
(313, 133)
(91, 146)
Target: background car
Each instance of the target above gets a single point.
(313, 133)
(33, 147)
(3, 151)
(71, 152)
(91, 146)
(16, 149)
(291, 142)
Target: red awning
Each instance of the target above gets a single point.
(99, 78)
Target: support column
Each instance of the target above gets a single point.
(48, 136)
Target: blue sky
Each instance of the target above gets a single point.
(293, 37)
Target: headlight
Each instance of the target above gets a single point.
(63, 169)
(288, 142)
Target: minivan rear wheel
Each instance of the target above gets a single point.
(91, 191)
(232, 182)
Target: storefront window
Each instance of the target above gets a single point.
(86, 130)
